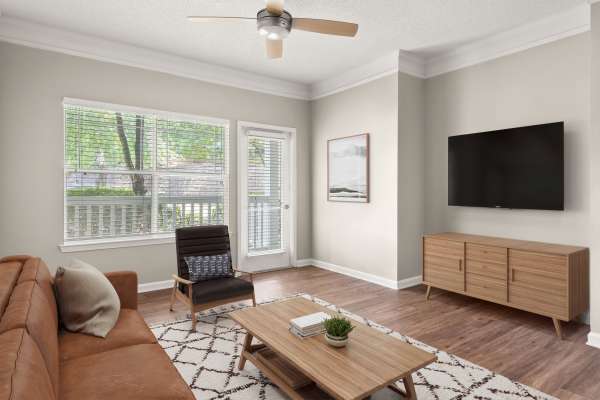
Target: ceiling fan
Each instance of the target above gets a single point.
(275, 24)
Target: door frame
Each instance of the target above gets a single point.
(242, 126)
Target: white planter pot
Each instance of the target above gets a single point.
(336, 341)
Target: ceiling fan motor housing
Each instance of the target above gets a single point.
(274, 27)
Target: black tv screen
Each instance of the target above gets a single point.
(509, 168)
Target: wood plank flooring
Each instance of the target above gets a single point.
(516, 344)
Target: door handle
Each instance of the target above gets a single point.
(460, 265)
(286, 206)
(512, 275)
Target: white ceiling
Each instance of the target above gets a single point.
(425, 27)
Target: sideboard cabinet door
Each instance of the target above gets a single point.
(444, 264)
(538, 282)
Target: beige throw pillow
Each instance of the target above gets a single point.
(87, 301)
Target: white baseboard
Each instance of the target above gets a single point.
(378, 280)
(594, 339)
(305, 262)
(389, 283)
(152, 286)
(410, 282)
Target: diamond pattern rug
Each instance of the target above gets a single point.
(207, 360)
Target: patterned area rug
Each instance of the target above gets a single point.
(207, 360)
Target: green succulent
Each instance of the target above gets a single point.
(338, 326)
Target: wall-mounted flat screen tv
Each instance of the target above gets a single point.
(509, 168)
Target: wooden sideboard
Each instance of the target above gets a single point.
(543, 278)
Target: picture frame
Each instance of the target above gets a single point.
(348, 169)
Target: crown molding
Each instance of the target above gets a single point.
(550, 29)
(391, 63)
(22, 32)
(569, 23)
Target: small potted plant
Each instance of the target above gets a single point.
(337, 329)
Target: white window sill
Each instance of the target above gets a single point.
(115, 243)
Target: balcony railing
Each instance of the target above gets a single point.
(95, 217)
(90, 217)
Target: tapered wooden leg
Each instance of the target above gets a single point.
(253, 299)
(428, 293)
(247, 347)
(173, 296)
(409, 386)
(194, 320)
(558, 328)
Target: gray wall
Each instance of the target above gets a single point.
(595, 175)
(359, 236)
(32, 85)
(411, 174)
(543, 84)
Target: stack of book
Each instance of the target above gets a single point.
(308, 325)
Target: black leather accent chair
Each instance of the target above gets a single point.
(205, 241)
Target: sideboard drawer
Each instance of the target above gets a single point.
(487, 269)
(487, 288)
(486, 253)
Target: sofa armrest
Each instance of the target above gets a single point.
(126, 286)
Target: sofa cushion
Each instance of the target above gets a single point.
(28, 308)
(129, 330)
(35, 269)
(142, 371)
(9, 274)
(87, 300)
(219, 289)
(23, 373)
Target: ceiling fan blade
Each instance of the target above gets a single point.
(325, 26)
(209, 18)
(274, 48)
(275, 6)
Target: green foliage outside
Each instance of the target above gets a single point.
(100, 192)
(106, 140)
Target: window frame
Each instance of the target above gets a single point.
(154, 237)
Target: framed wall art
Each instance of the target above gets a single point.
(348, 169)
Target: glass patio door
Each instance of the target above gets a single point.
(264, 198)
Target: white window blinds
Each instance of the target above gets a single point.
(131, 172)
(265, 222)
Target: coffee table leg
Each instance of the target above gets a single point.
(247, 347)
(409, 385)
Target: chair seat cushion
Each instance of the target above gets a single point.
(142, 371)
(130, 329)
(219, 289)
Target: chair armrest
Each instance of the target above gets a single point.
(250, 274)
(126, 286)
(182, 280)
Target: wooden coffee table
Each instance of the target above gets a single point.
(311, 369)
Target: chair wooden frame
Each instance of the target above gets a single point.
(194, 308)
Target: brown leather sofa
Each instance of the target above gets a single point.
(39, 362)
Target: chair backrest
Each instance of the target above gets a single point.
(205, 240)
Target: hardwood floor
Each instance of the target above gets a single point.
(516, 344)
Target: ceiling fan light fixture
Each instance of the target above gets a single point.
(274, 27)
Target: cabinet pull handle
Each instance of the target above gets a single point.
(460, 265)
(512, 274)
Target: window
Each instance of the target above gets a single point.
(133, 172)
